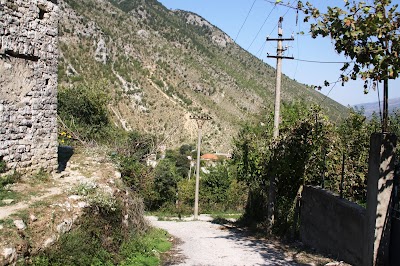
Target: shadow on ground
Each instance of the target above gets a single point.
(268, 249)
(64, 154)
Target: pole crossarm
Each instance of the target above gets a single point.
(282, 57)
(200, 119)
(280, 39)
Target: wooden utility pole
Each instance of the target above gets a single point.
(200, 119)
(279, 56)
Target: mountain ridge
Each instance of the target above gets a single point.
(159, 66)
(374, 107)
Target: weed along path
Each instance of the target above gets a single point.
(203, 243)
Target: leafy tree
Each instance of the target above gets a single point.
(166, 183)
(180, 157)
(186, 149)
(354, 133)
(251, 154)
(214, 186)
(366, 33)
(84, 110)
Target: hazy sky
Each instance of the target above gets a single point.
(229, 16)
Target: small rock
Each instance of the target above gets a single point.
(117, 174)
(33, 218)
(10, 255)
(49, 241)
(20, 224)
(82, 204)
(75, 197)
(65, 226)
(1, 227)
(7, 201)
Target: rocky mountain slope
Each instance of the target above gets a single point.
(160, 66)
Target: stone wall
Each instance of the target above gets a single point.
(333, 225)
(28, 83)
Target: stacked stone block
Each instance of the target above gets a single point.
(28, 83)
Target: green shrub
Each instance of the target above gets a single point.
(145, 250)
(92, 243)
(186, 190)
(9, 179)
(102, 236)
(84, 110)
(166, 183)
(83, 189)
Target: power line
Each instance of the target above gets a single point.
(276, 25)
(244, 22)
(321, 62)
(334, 85)
(260, 51)
(298, 54)
(326, 96)
(261, 27)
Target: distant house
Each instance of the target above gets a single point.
(209, 157)
(215, 156)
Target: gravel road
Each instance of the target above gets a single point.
(204, 243)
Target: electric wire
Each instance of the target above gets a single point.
(276, 25)
(326, 96)
(298, 55)
(321, 62)
(334, 85)
(245, 20)
(260, 51)
(265, 21)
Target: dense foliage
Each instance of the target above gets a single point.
(368, 33)
(100, 240)
(310, 151)
(83, 111)
(170, 186)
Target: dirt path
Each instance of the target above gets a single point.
(6, 211)
(205, 243)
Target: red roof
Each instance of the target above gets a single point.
(209, 156)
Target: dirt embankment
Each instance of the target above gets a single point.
(42, 207)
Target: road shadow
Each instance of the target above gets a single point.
(270, 250)
(64, 154)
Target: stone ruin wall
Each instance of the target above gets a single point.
(28, 84)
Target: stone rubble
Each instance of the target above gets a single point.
(20, 224)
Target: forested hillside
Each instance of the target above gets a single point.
(156, 67)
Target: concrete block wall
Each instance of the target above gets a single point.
(333, 225)
(28, 83)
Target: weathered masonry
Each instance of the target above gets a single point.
(28, 83)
